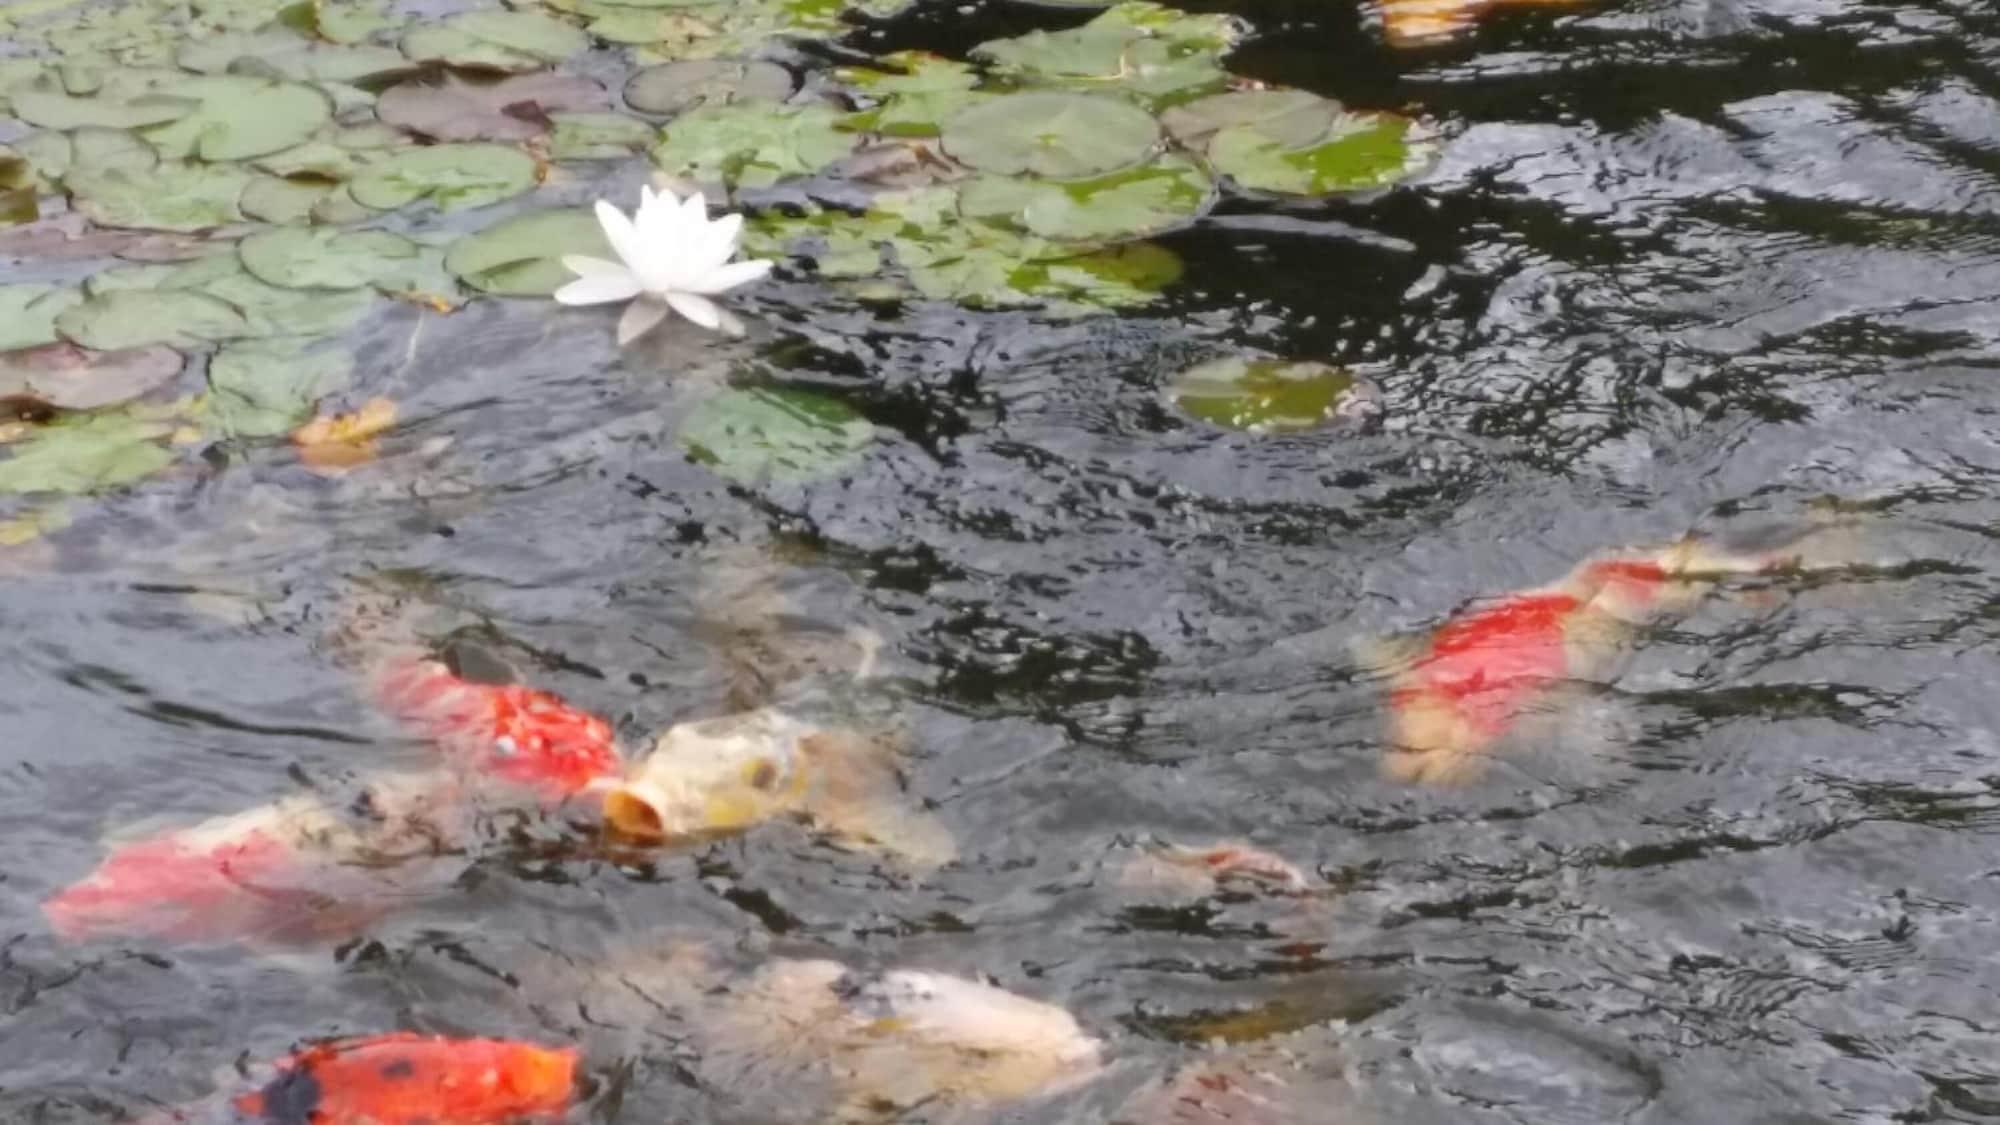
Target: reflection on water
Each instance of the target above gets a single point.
(1683, 265)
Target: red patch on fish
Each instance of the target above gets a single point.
(508, 731)
(1487, 664)
(407, 1079)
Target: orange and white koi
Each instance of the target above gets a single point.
(402, 1078)
(504, 732)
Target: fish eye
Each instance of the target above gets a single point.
(763, 775)
(504, 746)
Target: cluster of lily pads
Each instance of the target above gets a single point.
(271, 171)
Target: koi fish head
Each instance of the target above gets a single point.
(505, 731)
(407, 1079)
(714, 776)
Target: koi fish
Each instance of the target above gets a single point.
(1483, 670)
(289, 871)
(402, 1078)
(508, 732)
(1414, 23)
(1189, 868)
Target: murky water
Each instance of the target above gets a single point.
(1681, 265)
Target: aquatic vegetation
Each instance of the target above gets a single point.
(1263, 395)
(337, 442)
(775, 434)
(670, 256)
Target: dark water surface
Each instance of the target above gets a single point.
(1681, 263)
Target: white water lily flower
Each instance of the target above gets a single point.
(671, 257)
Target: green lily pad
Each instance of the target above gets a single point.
(263, 388)
(597, 136)
(88, 454)
(349, 21)
(136, 318)
(287, 54)
(240, 117)
(332, 259)
(1293, 118)
(1363, 151)
(1155, 54)
(454, 177)
(175, 197)
(516, 108)
(316, 159)
(1261, 395)
(513, 41)
(915, 99)
(274, 199)
(678, 86)
(1122, 277)
(1136, 202)
(272, 310)
(66, 377)
(521, 256)
(752, 145)
(784, 435)
(28, 313)
(100, 150)
(1058, 136)
(48, 106)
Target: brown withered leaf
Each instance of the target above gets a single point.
(37, 381)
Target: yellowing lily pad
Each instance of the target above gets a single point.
(174, 197)
(88, 454)
(516, 108)
(513, 41)
(453, 177)
(1362, 151)
(263, 388)
(336, 443)
(66, 377)
(239, 117)
(520, 257)
(1058, 136)
(1133, 203)
(752, 145)
(784, 435)
(1262, 395)
(678, 86)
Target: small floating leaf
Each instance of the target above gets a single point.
(512, 109)
(597, 136)
(785, 435)
(495, 41)
(752, 145)
(28, 313)
(519, 257)
(1142, 50)
(1057, 136)
(46, 105)
(240, 117)
(1293, 118)
(334, 444)
(678, 86)
(916, 100)
(88, 454)
(1363, 150)
(174, 197)
(1122, 277)
(332, 259)
(1129, 204)
(264, 388)
(66, 377)
(290, 55)
(1269, 394)
(136, 318)
(273, 199)
(453, 176)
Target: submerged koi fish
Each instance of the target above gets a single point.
(407, 1079)
(1413, 23)
(506, 732)
(1482, 671)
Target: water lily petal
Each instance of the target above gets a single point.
(658, 215)
(716, 244)
(583, 265)
(701, 310)
(640, 317)
(730, 325)
(722, 279)
(599, 289)
(623, 236)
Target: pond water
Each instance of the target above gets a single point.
(1677, 264)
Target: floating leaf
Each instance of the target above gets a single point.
(332, 259)
(512, 109)
(752, 145)
(137, 318)
(1260, 395)
(173, 197)
(287, 54)
(66, 377)
(240, 117)
(495, 41)
(320, 159)
(28, 313)
(88, 454)
(786, 435)
(597, 136)
(519, 257)
(44, 104)
(345, 21)
(1121, 277)
(274, 199)
(1129, 204)
(915, 100)
(264, 388)
(677, 86)
(452, 176)
(1363, 151)
(1143, 50)
(1054, 135)
(1293, 118)
(339, 442)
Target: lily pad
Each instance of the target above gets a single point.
(915, 99)
(1261, 395)
(678, 86)
(1362, 151)
(1154, 54)
(1054, 135)
(275, 199)
(240, 117)
(785, 435)
(521, 256)
(1293, 118)
(597, 136)
(47, 105)
(263, 388)
(66, 377)
(333, 259)
(752, 145)
(454, 177)
(28, 313)
(352, 21)
(88, 454)
(1130, 204)
(287, 54)
(1122, 277)
(137, 318)
(512, 109)
(514, 41)
(172, 197)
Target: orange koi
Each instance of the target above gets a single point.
(513, 733)
(1414, 23)
(402, 1078)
